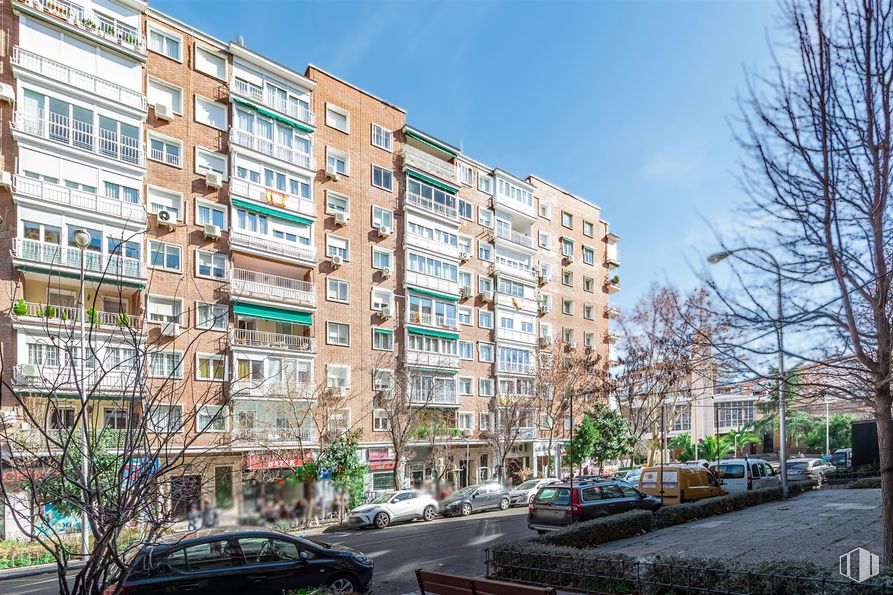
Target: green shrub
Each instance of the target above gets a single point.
(50, 311)
(699, 509)
(20, 308)
(865, 483)
(602, 530)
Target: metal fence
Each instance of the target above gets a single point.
(615, 575)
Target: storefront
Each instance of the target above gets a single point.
(381, 463)
(274, 478)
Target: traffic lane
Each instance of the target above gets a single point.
(42, 584)
(455, 545)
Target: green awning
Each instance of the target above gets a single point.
(105, 276)
(432, 333)
(244, 102)
(445, 372)
(386, 331)
(567, 239)
(443, 296)
(414, 174)
(274, 314)
(425, 141)
(278, 213)
(274, 116)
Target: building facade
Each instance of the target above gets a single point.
(276, 240)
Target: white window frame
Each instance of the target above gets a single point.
(591, 226)
(380, 332)
(384, 251)
(213, 255)
(330, 236)
(181, 210)
(545, 240)
(178, 370)
(481, 315)
(459, 202)
(337, 196)
(380, 421)
(469, 311)
(490, 391)
(329, 324)
(158, 429)
(486, 217)
(215, 357)
(214, 206)
(471, 350)
(167, 140)
(379, 306)
(385, 133)
(463, 170)
(339, 282)
(340, 155)
(152, 27)
(382, 211)
(203, 48)
(177, 109)
(545, 210)
(566, 225)
(467, 415)
(347, 375)
(165, 246)
(198, 99)
(470, 381)
(482, 177)
(384, 171)
(340, 111)
(201, 170)
(492, 346)
(221, 413)
(165, 298)
(225, 319)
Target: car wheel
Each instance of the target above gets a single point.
(382, 520)
(343, 584)
(429, 513)
(504, 504)
(466, 509)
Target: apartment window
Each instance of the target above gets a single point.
(588, 284)
(546, 331)
(337, 161)
(339, 420)
(466, 350)
(464, 244)
(382, 178)
(567, 247)
(211, 316)
(209, 213)
(382, 216)
(485, 389)
(545, 240)
(114, 191)
(466, 385)
(485, 284)
(337, 118)
(485, 183)
(465, 421)
(466, 174)
(165, 364)
(61, 418)
(465, 209)
(210, 113)
(567, 278)
(381, 138)
(114, 419)
(381, 258)
(210, 63)
(211, 418)
(337, 203)
(162, 310)
(336, 246)
(588, 339)
(382, 298)
(568, 422)
(382, 339)
(210, 367)
(206, 161)
(485, 217)
(166, 418)
(210, 265)
(165, 256)
(465, 278)
(337, 333)
(485, 251)
(567, 306)
(337, 376)
(589, 312)
(165, 42)
(380, 421)
(463, 315)
(545, 210)
(485, 319)
(43, 355)
(568, 335)
(567, 220)
(545, 299)
(161, 199)
(337, 291)
(588, 229)
(545, 270)
(162, 93)
(486, 420)
(588, 255)
(169, 151)
(485, 352)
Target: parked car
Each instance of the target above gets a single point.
(808, 468)
(521, 495)
(558, 505)
(257, 561)
(394, 507)
(679, 483)
(474, 498)
(842, 458)
(740, 475)
(630, 476)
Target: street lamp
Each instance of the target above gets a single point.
(81, 239)
(783, 449)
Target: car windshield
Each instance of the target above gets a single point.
(798, 465)
(383, 498)
(466, 491)
(528, 485)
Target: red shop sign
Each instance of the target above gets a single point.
(381, 466)
(276, 461)
(380, 454)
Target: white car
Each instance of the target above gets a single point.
(740, 475)
(393, 507)
(521, 495)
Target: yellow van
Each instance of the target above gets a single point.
(679, 483)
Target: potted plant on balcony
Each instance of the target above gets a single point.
(128, 38)
(615, 280)
(88, 24)
(92, 315)
(122, 319)
(20, 308)
(50, 311)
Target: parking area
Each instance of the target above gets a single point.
(818, 526)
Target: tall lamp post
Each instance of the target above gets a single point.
(82, 240)
(779, 335)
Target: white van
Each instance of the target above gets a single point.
(740, 475)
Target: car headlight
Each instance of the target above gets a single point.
(363, 560)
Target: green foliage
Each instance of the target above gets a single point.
(682, 443)
(838, 429)
(50, 311)
(602, 530)
(713, 448)
(602, 435)
(123, 319)
(92, 316)
(343, 458)
(20, 308)
(865, 483)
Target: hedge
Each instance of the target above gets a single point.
(865, 483)
(601, 530)
(17, 554)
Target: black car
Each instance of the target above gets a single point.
(475, 498)
(234, 562)
(558, 505)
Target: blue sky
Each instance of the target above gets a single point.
(623, 103)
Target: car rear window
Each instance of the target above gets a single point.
(611, 491)
(798, 465)
(730, 471)
(590, 494)
(556, 496)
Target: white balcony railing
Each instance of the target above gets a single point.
(271, 246)
(513, 267)
(249, 283)
(500, 200)
(435, 398)
(514, 237)
(77, 78)
(174, 159)
(422, 160)
(283, 106)
(417, 200)
(273, 434)
(258, 192)
(509, 334)
(71, 315)
(270, 387)
(55, 256)
(82, 135)
(432, 320)
(104, 27)
(517, 368)
(441, 248)
(431, 360)
(267, 340)
(433, 283)
(56, 378)
(79, 200)
(270, 148)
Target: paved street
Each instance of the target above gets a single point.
(450, 545)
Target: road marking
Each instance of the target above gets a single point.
(374, 555)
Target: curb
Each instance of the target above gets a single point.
(36, 570)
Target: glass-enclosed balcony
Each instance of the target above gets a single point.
(272, 340)
(275, 98)
(261, 193)
(79, 200)
(253, 284)
(431, 199)
(83, 134)
(426, 162)
(57, 258)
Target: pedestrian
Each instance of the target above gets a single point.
(194, 517)
(210, 518)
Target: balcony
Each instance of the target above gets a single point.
(431, 360)
(69, 317)
(432, 320)
(277, 341)
(436, 399)
(434, 283)
(611, 338)
(612, 312)
(508, 334)
(525, 368)
(426, 204)
(527, 433)
(515, 237)
(515, 268)
(246, 283)
(108, 29)
(441, 248)
(270, 148)
(57, 379)
(521, 304)
(55, 258)
(275, 434)
(270, 388)
(612, 261)
(283, 106)
(425, 162)
(77, 78)
(84, 202)
(612, 284)
(271, 247)
(260, 193)
(80, 135)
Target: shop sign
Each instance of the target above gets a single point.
(381, 466)
(380, 454)
(276, 461)
(17, 475)
(139, 466)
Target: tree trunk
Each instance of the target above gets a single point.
(396, 472)
(885, 449)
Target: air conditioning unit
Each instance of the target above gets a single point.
(545, 308)
(465, 291)
(341, 218)
(167, 218)
(331, 173)
(5, 179)
(386, 272)
(464, 256)
(170, 329)
(7, 94)
(487, 295)
(383, 231)
(337, 260)
(569, 258)
(164, 112)
(386, 312)
(214, 179)
(30, 370)
(212, 231)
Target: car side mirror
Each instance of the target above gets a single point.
(303, 557)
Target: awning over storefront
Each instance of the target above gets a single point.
(274, 314)
(278, 213)
(432, 333)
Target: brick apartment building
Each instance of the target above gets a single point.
(270, 236)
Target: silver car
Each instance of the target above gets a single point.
(808, 468)
(393, 507)
(521, 495)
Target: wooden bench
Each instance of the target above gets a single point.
(440, 583)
